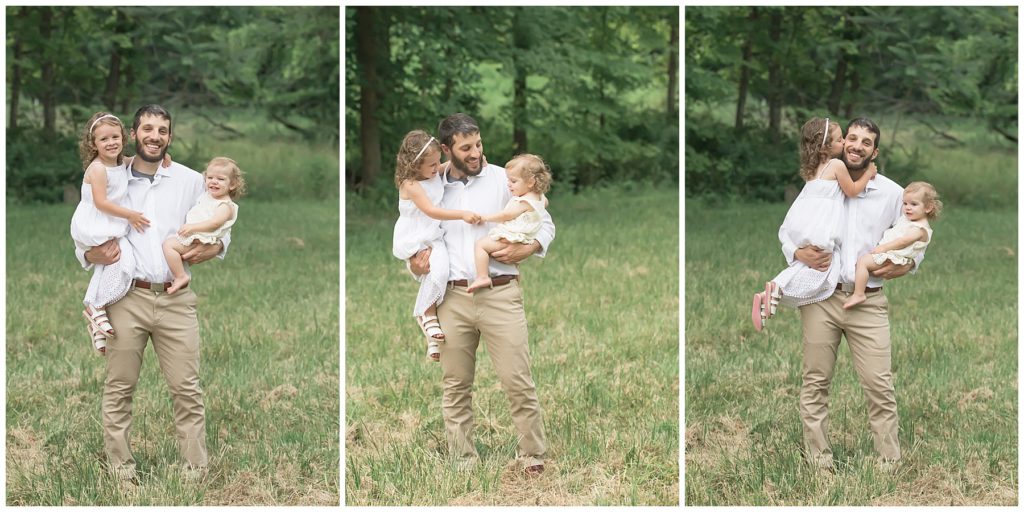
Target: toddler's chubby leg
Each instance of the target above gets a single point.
(173, 251)
(865, 264)
(482, 255)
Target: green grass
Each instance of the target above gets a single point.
(269, 359)
(954, 330)
(603, 313)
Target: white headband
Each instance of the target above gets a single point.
(424, 148)
(826, 132)
(93, 125)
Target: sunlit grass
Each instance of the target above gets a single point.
(603, 314)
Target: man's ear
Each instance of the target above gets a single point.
(446, 150)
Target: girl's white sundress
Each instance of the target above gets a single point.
(91, 227)
(204, 210)
(415, 231)
(906, 254)
(524, 228)
(817, 218)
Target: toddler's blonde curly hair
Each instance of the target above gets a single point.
(236, 188)
(532, 166)
(930, 197)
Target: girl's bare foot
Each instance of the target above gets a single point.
(480, 282)
(178, 283)
(854, 299)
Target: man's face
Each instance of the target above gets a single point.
(860, 148)
(152, 138)
(465, 153)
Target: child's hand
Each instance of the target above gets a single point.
(138, 221)
(167, 160)
(471, 218)
(872, 170)
(877, 250)
(186, 230)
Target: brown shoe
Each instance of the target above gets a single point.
(534, 470)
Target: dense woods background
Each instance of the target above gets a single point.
(278, 65)
(755, 74)
(593, 90)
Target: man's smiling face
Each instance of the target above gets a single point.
(860, 148)
(152, 138)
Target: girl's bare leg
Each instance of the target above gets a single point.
(172, 252)
(482, 255)
(865, 264)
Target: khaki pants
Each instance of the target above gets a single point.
(867, 331)
(496, 314)
(170, 321)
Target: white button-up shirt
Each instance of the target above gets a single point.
(165, 202)
(485, 194)
(867, 216)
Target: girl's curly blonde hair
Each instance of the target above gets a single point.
(87, 149)
(813, 146)
(929, 196)
(236, 186)
(532, 166)
(411, 152)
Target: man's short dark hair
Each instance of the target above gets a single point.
(460, 124)
(151, 110)
(867, 124)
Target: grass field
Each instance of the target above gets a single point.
(603, 313)
(269, 360)
(954, 330)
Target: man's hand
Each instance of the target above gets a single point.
(813, 257)
(104, 254)
(200, 252)
(514, 253)
(419, 264)
(891, 270)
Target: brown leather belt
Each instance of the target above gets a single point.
(839, 288)
(157, 287)
(495, 281)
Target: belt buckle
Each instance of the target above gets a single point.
(847, 287)
(156, 287)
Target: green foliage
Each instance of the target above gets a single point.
(595, 85)
(37, 172)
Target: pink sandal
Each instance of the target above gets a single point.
(772, 294)
(757, 311)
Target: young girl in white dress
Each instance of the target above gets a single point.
(902, 242)
(420, 189)
(209, 220)
(528, 179)
(816, 218)
(104, 214)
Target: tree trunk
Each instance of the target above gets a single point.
(774, 77)
(521, 45)
(48, 97)
(748, 57)
(670, 93)
(835, 96)
(114, 75)
(15, 90)
(854, 88)
(369, 100)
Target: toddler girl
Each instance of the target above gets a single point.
(102, 215)
(528, 179)
(817, 215)
(902, 242)
(210, 219)
(420, 189)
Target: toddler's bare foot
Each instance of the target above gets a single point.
(178, 283)
(480, 282)
(854, 299)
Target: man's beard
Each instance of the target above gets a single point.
(142, 154)
(463, 167)
(864, 163)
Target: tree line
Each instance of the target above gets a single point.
(578, 82)
(63, 63)
(839, 62)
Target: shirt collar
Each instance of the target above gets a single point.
(449, 181)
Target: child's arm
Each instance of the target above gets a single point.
(902, 242)
(221, 215)
(851, 188)
(97, 178)
(419, 197)
(512, 210)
